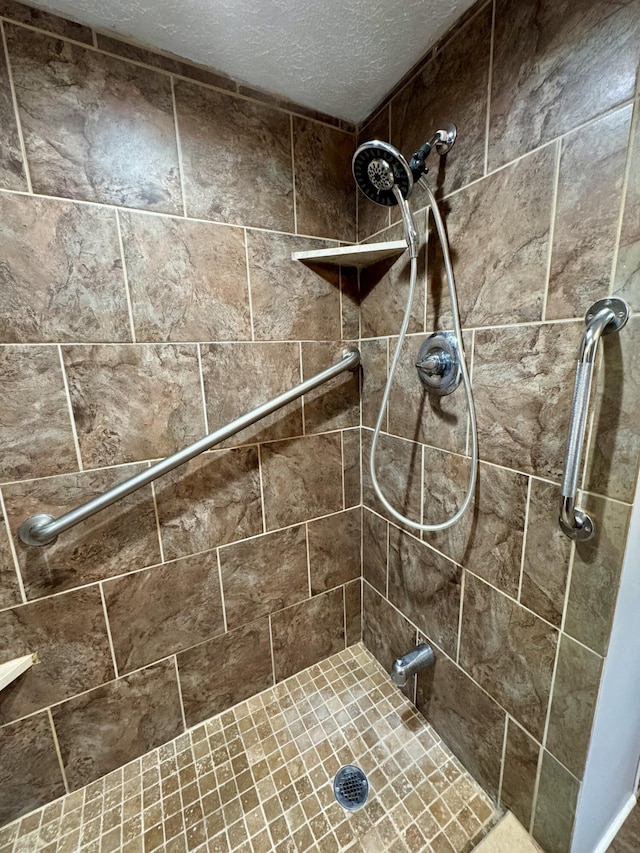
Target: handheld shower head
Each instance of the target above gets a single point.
(378, 167)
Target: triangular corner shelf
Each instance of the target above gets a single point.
(354, 256)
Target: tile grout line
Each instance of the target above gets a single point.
(16, 111)
(222, 598)
(157, 518)
(108, 627)
(344, 493)
(552, 225)
(273, 659)
(633, 127)
(94, 39)
(179, 686)
(344, 613)
(536, 788)
(293, 176)
(72, 419)
(524, 538)
(301, 369)
(489, 88)
(176, 127)
(125, 278)
(503, 758)
(262, 505)
(56, 745)
(248, 276)
(204, 398)
(463, 576)
(14, 553)
(306, 539)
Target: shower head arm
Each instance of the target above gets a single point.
(410, 230)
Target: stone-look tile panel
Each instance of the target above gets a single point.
(373, 217)
(353, 612)
(467, 719)
(546, 556)
(374, 550)
(29, 773)
(592, 167)
(9, 588)
(45, 21)
(225, 670)
(123, 537)
(425, 587)
(519, 776)
(164, 610)
(615, 441)
(373, 379)
(415, 414)
(350, 290)
(556, 806)
(334, 550)
(134, 402)
(595, 575)
(628, 839)
(548, 66)
(228, 395)
(12, 174)
(34, 414)
(451, 87)
(212, 500)
(95, 128)
(336, 404)
(69, 635)
(322, 157)
(386, 633)
(573, 704)
(61, 274)
(488, 538)
(509, 215)
(188, 280)
(627, 273)
(292, 300)
(399, 472)
(224, 177)
(384, 287)
(522, 381)
(508, 651)
(264, 574)
(301, 478)
(93, 740)
(307, 633)
(351, 451)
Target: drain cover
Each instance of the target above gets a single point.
(351, 787)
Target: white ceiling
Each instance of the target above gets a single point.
(337, 56)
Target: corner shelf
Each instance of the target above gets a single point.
(10, 670)
(354, 256)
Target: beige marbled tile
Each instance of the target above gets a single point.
(188, 280)
(12, 173)
(134, 402)
(236, 157)
(95, 128)
(62, 273)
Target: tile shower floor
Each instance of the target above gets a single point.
(258, 777)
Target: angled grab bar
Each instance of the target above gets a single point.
(43, 529)
(604, 317)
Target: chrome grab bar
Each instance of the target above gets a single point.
(604, 317)
(43, 529)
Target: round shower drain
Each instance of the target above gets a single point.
(351, 787)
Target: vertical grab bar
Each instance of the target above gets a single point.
(604, 317)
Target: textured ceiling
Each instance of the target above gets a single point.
(337, 56)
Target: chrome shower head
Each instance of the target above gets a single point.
(377, 168)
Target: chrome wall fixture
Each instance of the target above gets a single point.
(43, 529)
(603, 318)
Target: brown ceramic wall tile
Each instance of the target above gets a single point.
(509, 215)
(292, 300)
(264, 574)
(223, 178)
(134, 402)
(467, 719)
(546, 555)
(351, 467)
(36, 427)
(291, 106)
(522, 379)
(573, 704)
(163, 610)
(508, 651)
(12, 174)
(350, 290)
(69, 635)
(425, 587)
(322, 157)
(353, 612)
(628, 838)
(373, 217)
(212, 500)
(93, 740)
(592, 167)
(301, 478)
(627, 272)
(399, 471)
(334, 550)
(209, 673)
(29, 772)
(70, 99)
(62, 273)
(188, 280)
(519, 776)
(307, 633)
(385, 632)
(450, 88)
(374, 377)
(45, 21)
(274, 367)
(9, 589)
(336, 404)
(124, 538)
(548, 69)
(596, 574)
(374, 550)
(556, 806)
(488, 538)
